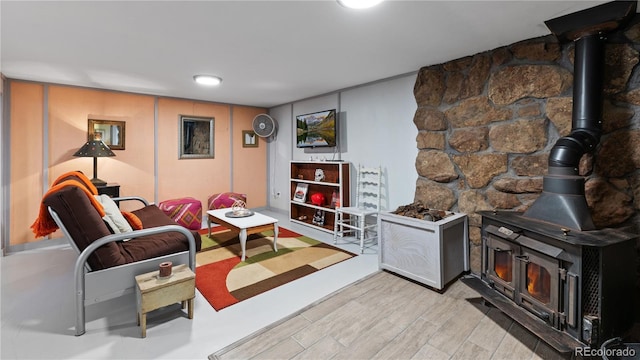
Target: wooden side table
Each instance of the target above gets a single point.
(153, 292)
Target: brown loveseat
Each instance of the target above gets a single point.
(109, 259)
(85, 226)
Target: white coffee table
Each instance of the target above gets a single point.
(245, 226)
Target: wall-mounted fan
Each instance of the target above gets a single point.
(264, 125)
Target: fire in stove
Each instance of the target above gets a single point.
(539, 283)
(503, 267)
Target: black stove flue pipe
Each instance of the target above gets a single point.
(563, 199)
(586, 122)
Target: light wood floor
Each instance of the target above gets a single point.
(389, 317)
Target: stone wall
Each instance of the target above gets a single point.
(487, 123)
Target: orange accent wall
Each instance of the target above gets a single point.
(249, 164)
(26, 159)
(69, 109)
(196, 178)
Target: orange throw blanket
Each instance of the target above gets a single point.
(80, 175)
(44, 224)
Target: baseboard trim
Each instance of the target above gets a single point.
(36, 245)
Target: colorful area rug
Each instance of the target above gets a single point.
(224, 280)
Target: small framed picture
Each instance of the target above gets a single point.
(249, 138)
(301, 192)
(196, 137)
(111, 132)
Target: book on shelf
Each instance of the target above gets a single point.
(301, 193)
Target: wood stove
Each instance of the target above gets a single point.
(571, 288)
(531, 278)
(550, 269)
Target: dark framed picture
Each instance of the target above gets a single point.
(249, 139)
(196, 137)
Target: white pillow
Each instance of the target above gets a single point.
(114, 229)
(120, 224)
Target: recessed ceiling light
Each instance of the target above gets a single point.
(359, 4)
(207, 80)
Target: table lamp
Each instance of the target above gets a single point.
(95, 148)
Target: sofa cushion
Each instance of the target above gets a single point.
(111, 225)
(113, 215)
(133, 220)
(152, 216)
(84, 225)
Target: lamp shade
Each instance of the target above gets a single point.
(94, 148)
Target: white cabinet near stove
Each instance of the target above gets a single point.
(430, 252)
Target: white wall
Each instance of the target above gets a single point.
(3, 207)
(279, 155)
(375, 128)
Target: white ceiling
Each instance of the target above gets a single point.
(267, 52)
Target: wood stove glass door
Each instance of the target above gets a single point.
(539, 284)
(500, 264)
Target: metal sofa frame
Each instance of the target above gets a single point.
(96, 286)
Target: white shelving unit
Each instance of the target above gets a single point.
(337, 174)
